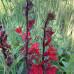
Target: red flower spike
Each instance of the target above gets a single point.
(18, 30)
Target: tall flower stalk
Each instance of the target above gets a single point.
(50, 17)
(26, 57)
(31, 50)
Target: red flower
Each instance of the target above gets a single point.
(47, 53)
(0, 27)
(22, 48)
(5, 39)
(29, 33)
(50, 70)
(31, 24)
(34, 49)
(4, 46)
(0, 46)
(36, 69)
(24, 7)
(49, 33)
(52, 55)
(2, 34)
(18, 30)
(51, 48)
(34, 46)
(9, 61)
(49, 40)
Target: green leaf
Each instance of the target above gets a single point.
(60, 51)
(69, 53)
(21, 68)
(66, 69)
(65, 64)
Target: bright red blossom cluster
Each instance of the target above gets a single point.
(33, 52)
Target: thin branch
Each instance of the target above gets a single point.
(26, 57)
(44, 43)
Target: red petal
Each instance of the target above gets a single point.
(0, 27)
(41, 63)
(49, 40)
(22, 48)
(18, 30)
(54, 68)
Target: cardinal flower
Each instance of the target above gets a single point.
(52, 55)
(36, 69)
(31, 24)
(49, 40)
(34, 49)
(0, 27)
(2, 34)
(34, 46)
(49, 32)
(51, 48)
(29, 33)
(18, 30)
(50, 70)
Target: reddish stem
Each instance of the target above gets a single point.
(44, 42)
(26, 57)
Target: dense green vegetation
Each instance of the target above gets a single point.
(11, 17)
